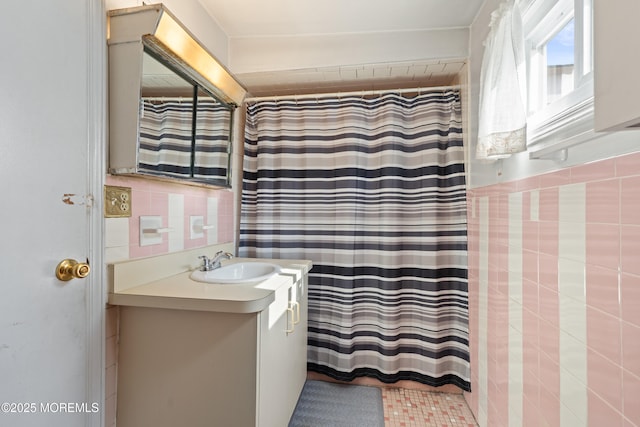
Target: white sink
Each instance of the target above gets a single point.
(239, 272)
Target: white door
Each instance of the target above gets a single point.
(50, 144)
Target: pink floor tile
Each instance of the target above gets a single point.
(403, 407)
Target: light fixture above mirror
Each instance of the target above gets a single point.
(171, 102)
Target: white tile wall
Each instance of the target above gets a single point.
(212, 219)
(572, 305)
(116, 236)
(534, 207)
(516, 391)
(176, 222)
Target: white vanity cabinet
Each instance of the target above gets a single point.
(283, 357)
(210, 368)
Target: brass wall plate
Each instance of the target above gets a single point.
(117, 201)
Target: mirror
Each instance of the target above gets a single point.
(185, 132)
(171, 104)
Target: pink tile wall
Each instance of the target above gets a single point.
(612, 286)
(473, 232)
(151, 197)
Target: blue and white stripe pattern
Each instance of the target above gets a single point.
(373, 192)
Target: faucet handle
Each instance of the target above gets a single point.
(206, 263)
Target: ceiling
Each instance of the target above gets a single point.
(246, 19)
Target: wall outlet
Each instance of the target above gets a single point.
(117, 201)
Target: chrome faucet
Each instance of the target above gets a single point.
(209, 264)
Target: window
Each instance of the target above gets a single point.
(559, 48)
(560, 58)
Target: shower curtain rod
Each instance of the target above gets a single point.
(355, 93)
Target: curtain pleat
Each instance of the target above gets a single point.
(167, 137)
(212, 130)
(373, 192)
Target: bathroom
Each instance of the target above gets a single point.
(541, 351)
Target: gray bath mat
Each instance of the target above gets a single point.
(324, 404)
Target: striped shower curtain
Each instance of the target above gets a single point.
(373, 192)
(169, 144)
(165, 137)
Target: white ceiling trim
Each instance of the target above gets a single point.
(260, 54)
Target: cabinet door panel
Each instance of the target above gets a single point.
(282, 364)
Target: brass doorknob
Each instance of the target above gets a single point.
(68, 269)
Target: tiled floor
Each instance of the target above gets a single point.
(418, 408)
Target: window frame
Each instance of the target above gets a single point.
(569, 119)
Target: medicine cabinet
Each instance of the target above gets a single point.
(171, 103)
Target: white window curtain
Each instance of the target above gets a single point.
(503, 89)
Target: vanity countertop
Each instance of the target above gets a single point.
(179, 291)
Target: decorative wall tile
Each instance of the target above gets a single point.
(630, 200)
(176, 222)
(573, 397)
(630, 249)
(602, 289)
(604, 333)
(593, 171)
(212, 221)
(603, 201)
(605, 379)
(175, 203)
(628, 165)
(603, 245)
(577, 349)
(631, 348)
(630, 298)
(602, 414)
(630, 393)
